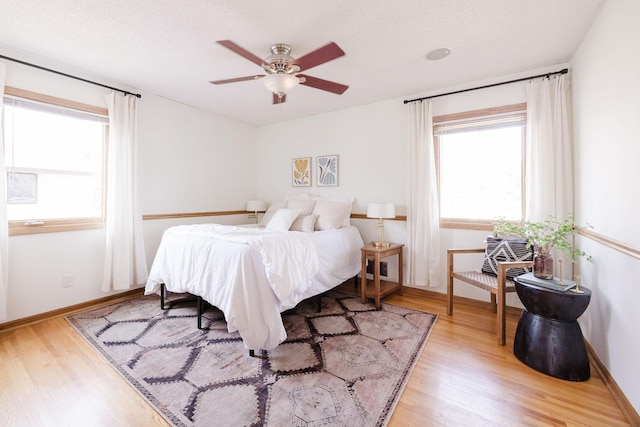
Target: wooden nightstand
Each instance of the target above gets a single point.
(377, 288)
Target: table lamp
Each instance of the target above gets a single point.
(381, 211)
(255, 206)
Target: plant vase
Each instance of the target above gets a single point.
(543, 265)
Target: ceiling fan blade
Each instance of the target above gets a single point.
(323, 84)
(237, 79)
(319, 56)
(279, 99)
(241, 51)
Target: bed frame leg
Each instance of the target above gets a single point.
(199, 303)
(162, 291)
(252, 353)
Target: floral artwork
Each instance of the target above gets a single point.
(301, 172)
(327, 172)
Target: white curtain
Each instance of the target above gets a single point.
(423, 216)
(549, 169)
(4, 226)
(125, 264)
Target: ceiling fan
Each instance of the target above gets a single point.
(282, 69)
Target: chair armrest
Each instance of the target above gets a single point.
(515, 264)
(506, 265)
(466, 251)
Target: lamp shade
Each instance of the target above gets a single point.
(256, 205)
(280, 84)
(381, 210)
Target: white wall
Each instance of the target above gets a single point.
(368, 140)
(188, 161)
(606, 92)
(191, 160)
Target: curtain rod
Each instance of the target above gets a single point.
(547, 75)
(137, 95)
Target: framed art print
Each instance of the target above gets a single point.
(301, 172)
(327, 170)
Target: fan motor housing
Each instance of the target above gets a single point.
(279, 60)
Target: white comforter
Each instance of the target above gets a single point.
(253, 274)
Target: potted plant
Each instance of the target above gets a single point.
(542, 237)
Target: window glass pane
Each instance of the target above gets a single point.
(54, 162)
(481, 174)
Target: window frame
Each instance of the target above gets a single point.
(477, 224)
(48, 225)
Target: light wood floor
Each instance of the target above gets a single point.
(49, 376)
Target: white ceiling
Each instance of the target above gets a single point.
(167, 47)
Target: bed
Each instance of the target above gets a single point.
(252, 274)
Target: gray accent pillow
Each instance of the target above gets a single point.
(501, 250)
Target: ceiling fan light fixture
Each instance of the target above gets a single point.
(280, 84)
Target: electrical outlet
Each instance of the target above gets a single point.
(383, 267)
(67, 280)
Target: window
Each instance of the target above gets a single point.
(54, 159)
(480, 161)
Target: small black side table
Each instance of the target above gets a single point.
(548, 338)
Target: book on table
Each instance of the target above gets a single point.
(556, 284)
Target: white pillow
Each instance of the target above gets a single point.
(347, 200)
(304, 223)
(305, 206)
(282, 219)
(331, 214)
(272, 209)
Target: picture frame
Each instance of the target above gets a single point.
(327, 170)
(301, 172)
(22, 188)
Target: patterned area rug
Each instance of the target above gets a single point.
(344, 366)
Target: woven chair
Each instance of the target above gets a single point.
(498, 285)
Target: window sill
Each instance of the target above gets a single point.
(19, 228)
(467, 224)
